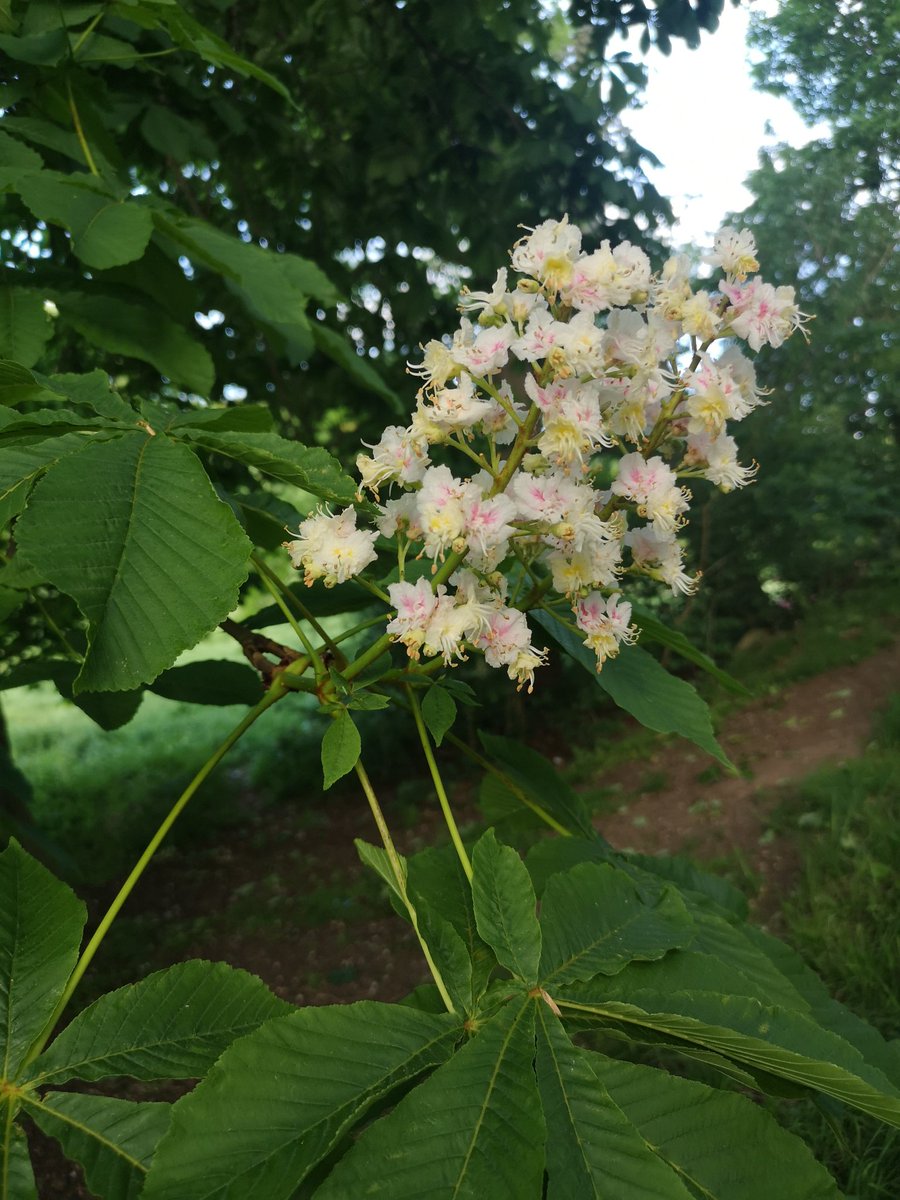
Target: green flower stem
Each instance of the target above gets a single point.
(459, 444)
(274, 694)
(495, 394)
(86, 32)
(360, 628)
(367, 657)
(439, 784)
(278, 591)
(399, 870)
(372, 588)
(509, 783)
(520, 446)
(79, 132)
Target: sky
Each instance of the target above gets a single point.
(703, 118)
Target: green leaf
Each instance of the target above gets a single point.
(827, 1011)
(690, 878)
(438, 711)
(341, 350)
(94, 391)
(341, 748)
(504, 904)
(278, 1101)
(655, 631)
(310, 468)
(40, 50)
(21, 465)
(536, 783)
(715, 1140)
(109, 710)
(132, 530)
(450, 956)
(106, 229)
(168, 133)
(472, 1130)
(40, 931)
(172, 1025)
(637, 683)
(378, 861)
(25, 328)
(437, 883)
(594, 920)
(139, 331)
(784, 1043)
(277, 287)
(209, 682)
(114, 1140)
(16, 160)
(186, 31)
(16, 1175)
(593, 1149)
(232, 418)
(17, 383)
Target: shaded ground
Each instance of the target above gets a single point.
(287, 899)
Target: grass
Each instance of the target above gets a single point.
(835, 631)
(844, 918)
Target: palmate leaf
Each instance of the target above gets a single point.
(114, 1140)
(827, 1011)
(472, 1130)
(40, 931)
(172, 1025)
(639, 685)
(107, 230)
(278, 1101)
(786, 1044)
(724, 1146)
(594, 920)
(133, 531)
(594, 1152)
(504, 903)
(139, 331)
(277, 287)
(310, 468)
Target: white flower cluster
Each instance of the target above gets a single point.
(544, 397)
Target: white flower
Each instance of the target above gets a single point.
(606, 623)
(548, 253)
(608, 278)
(400, 455)
(331, 548)
(651, 485)
(734, 252)
(719, 454)
(761, 313)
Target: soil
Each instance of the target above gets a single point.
(287, 899)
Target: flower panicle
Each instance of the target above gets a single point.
(589, 363)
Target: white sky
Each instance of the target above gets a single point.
(703, 119)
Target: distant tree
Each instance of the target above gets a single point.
(824, 214)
